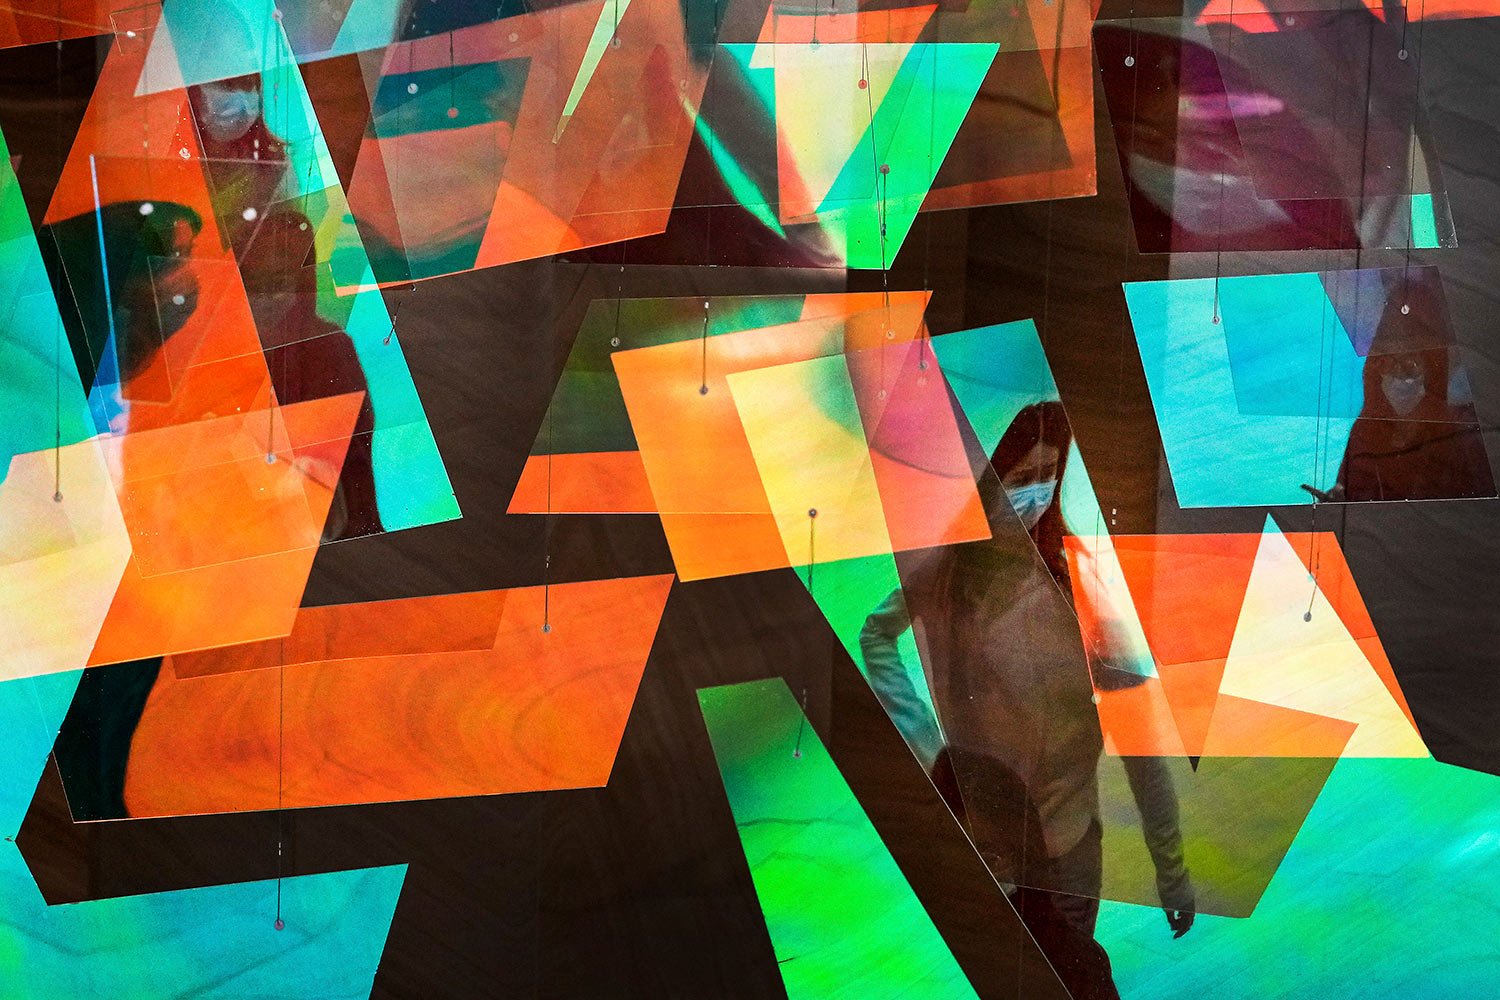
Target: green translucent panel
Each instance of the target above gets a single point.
(846, 591)
(910, 134)
(904, 119)
(842, 918)
(1384, 894)
(1424, 224)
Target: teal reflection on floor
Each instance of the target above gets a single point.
(1388, 891)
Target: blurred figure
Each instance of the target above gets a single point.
(311, 358)
(1016, 742)
(1411, 441)
(308, 357)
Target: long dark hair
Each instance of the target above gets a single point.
(1040, 423)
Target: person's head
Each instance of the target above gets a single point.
(226, 110)
(1407, 386)
(1030, 458)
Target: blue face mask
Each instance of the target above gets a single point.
(1032, 500)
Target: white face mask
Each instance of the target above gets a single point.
(228, 112)
(1403, 393)
(1032, 500)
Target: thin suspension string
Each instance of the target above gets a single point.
(881, 172)
(1127, 230)
(812, 561)
(1326, 339)
(801, 727)
(1219, 227)
(703, 344)
(286, 116)
(280, 923)
(57, 337)
(547, 517)
(924, 334)
(1411, 156)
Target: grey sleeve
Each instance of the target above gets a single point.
(1156, 800)
(890, 681)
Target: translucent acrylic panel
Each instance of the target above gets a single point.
(1344, 79)
(40, 393)
(1350, 855)
(61, 533)
(433, 155)
(446, 623)
(577, 139)
(1272, 405)
(366, 721)
(698, 461)
(140, 941)
(1192, 175)
(803, 428)
(820, 869)
(231, 488)
(27, 22)
(916, 449)
(212, 571)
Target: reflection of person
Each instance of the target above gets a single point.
(307, 356)
(1410, 441)
(310, 358)
(1016, 740)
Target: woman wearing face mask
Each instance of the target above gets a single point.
(1411, 442)
(1016, 742)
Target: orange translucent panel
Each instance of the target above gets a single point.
(224, 538)
(1137, 721)
(903, 24)
(1244, 728)
(135, 148)
(697, 457)
(26, 22)
(599, 482)
(540, 710)
(446, 623)
(705, 546)
(1187, 590)
(1218, 617)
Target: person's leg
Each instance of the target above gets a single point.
(1078, 877)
